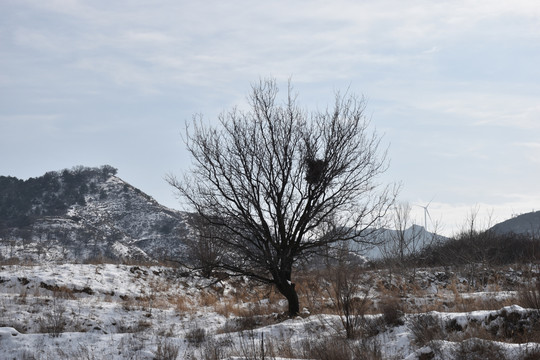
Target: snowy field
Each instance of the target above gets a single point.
(109, 311)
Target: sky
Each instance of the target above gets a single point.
(453, 88)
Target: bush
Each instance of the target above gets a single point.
(531, 352)
(213, 350)
(346, 285)
(253, 347)
(328, 350)
(477, 349)
(54, 320)
(196, 336)
(342, 349)
(166, 350)
(481, 246)
(392, 311)
(529, 296)
(426, 328)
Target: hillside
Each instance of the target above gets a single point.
(83, 214)
(469, 305)
(416, 238)
(112, 311)
(527, 224)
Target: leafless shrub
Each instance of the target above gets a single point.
(84, 352)
(426, 328)
(531, 352)
(203, 250)
(529, 296)
(22, 298)
(128, 303)
(165, 330)
(27, 355)
(341, 349)
(207, 298)
(327, 350)
(350, 297)
(54, 320)
(281, 347)
(253, 347)
(166, 349)
(392, 311)
(371, 350)
(62, 291)
(478, 349)
(515, 326)
(140, 326)
(214, 350)
(249, 321)
(196, 336)
(453, 326)
(181, 304)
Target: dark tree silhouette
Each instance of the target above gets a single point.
(283, 184)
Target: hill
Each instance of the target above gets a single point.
(414, 239)
(527, 224)
(85, 213)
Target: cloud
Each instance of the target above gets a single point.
(454, 83)
(530, 151)
(530, 145)
(151, 37)
(450, 218)
(216, 42)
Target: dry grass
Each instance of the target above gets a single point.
(181, 304)
(529, 295)
(208, 299)
(482, 303)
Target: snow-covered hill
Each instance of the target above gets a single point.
(106, 311)
(106, 218)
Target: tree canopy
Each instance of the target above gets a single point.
(282, 183)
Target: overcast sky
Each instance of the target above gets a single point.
(454, 87)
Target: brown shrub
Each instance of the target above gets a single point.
(529, 295)
(426, 328)
(392, 311)
(478, 349)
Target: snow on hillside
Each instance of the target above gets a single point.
(109, 311)
(108, 219)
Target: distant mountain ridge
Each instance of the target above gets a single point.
(85, 213)
(527, 224)
(416, 238)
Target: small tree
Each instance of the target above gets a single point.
(404, 238)
(204, 250)
(283, 184)
(349, 291)
(405, 242)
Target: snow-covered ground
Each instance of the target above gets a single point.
(109, 311)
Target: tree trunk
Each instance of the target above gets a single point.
(288, 290)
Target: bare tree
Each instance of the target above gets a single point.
(401, 241)
(406, 241)
(204, 250)
(349, 289)
(474, 247)
(283, 183)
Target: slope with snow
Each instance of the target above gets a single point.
(97, 216)
(108, 311)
